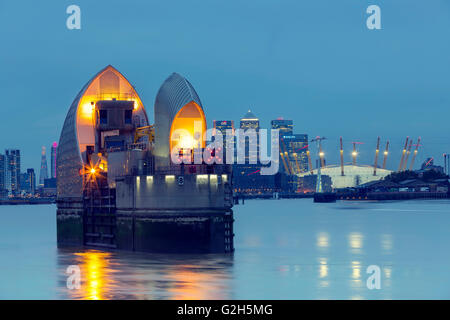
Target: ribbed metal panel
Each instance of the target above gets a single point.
(173, 95)
(68, 159)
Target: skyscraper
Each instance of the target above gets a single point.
(223, 126)
(28, 181)
(53, 160)
(13, 171)
(250, 121)
(286, 127)
(296, 146)
(43, 173)
(2, 175)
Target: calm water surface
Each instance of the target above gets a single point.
(285, 249)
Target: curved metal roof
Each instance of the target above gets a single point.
(69, 155)
(174, 94)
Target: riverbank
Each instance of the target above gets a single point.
(370, 196)
(34, 201)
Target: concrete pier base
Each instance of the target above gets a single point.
(175, 232)
(157, 231)
(69, 222)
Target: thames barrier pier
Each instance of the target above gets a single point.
(118, 185)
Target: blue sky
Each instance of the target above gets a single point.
(311, 61)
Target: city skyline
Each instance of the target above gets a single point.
(226, 156)
(315, 64)
(366, 150)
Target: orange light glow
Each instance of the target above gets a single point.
(108, 85)
(87, 110)
(93, 171)
(188, 128)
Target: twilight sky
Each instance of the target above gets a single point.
(313, 61)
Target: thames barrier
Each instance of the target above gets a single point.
(117, 184)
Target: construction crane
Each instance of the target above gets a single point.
(407, 155)
(308, 154)
(286, 154)
(321, 154)
(319, 174)
(377, 151)
(295, 157)
(386, 152)
(416, 150)
(403, 154)
(342, 158)
(148, 131)
(354, 152)
(284, 161)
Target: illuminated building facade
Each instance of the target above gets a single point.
(225, 127)
(28, 182)
(43, 172)
(13, 171)
(296, 146)
(3, 190)
(286, 127)
(53, 160)
(250, 121)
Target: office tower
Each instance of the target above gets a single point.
(13, 171)
(286, 127)
(250, 121)
(28, 181)
(294, 148)
(2, 175)
(23, 182)
(53, 160)
(223, 126)
(43, 173)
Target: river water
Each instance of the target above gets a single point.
(285, 249)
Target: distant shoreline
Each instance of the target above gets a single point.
(380, 196)
(13, 202)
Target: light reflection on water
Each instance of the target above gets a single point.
(285, 249)
(119, 275)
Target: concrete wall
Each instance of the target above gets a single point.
(168, 192)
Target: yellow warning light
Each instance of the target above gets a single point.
(93, 170)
